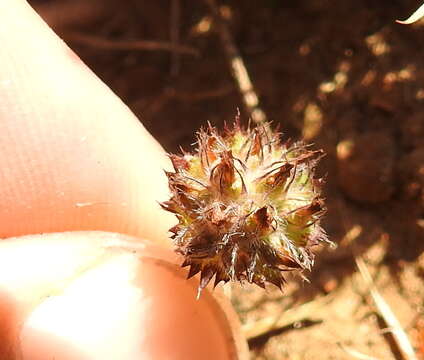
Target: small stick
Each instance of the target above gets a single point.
(125, 45)
(386, 313)
(238, 69)
(174, 35)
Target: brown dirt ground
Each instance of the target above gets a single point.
(343, 75)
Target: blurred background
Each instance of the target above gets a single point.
(341, 74)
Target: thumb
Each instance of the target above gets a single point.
(95, 295)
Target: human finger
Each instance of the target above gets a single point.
(96, 295)
(73, 156)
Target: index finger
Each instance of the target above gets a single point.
(73, 156)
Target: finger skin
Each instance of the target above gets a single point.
(73, 156)
(84, 295)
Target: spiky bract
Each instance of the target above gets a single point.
(248, 206)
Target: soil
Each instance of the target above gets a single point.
(341, 74)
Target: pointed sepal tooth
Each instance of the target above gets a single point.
(288, 262)
(316, 206)
(175, 229)
(186, 263)
(194, 269)
(207, 274)
(270, 257)
(283, 174)
(256, 144)
(278, 281)
(276, 176)
(169, 174)
(177, 185)
(223, 174)
(178, 162)
(309, 156)
(220, 276)
(169, 206)
(262, 219)
(217, 280)
(207, 142)
(319, 235)
(259, 281)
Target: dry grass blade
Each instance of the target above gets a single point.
(386, 313)
(297, 314)
(174, 35)
(239, 71)
(126, 45)
(417, 15)
(356, 354)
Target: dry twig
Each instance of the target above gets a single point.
(386, 313)
(294, 315)
(174, 29)
(125, 45)
(238, 69)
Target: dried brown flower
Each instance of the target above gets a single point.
(248, 206)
